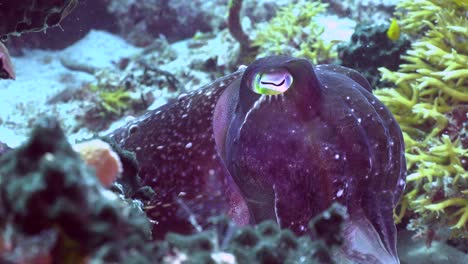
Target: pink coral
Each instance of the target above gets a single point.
(99, 155)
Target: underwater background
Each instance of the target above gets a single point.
(73, 70)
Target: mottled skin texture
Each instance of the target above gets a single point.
(176, 150)
(226, 149)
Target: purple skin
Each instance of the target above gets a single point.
(287, 157)
(6, 67)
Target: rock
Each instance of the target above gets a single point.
(21, 16)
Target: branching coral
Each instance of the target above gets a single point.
(113, 101)
(430, 87)
(295, 32)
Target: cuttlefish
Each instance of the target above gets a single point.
(281, 139)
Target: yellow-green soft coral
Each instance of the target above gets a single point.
(430, 87)
(294, 31)
(113, 101)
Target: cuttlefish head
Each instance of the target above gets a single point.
(300, 137)
(278, 77)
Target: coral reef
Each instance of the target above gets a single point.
(141, 21)
(112, 101)
(294, 32)
(32, 15)
(46, 188)
(127, 89)
(73, 28)
(224, 242)
(247, 51)
(430, 103)
(364, 10)
(370, 48)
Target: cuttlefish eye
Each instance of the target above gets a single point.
(271, 83)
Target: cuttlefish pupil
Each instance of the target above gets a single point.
(272, 83)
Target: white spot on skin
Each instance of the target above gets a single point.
(339, 193)
(337, 156)
(242, 67)
(129, 119)
(401, 182)
(359, 120)
(189, 145)
(182, 95)
(160, 147)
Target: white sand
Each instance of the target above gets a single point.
(40, 75)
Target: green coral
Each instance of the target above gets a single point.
(295, 32)
(114, 101)
(420, 15)
(431, 86)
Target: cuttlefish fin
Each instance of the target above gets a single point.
(370, 232)
(362, 243)
(379, 213)
(223, 114)
(338, 69)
